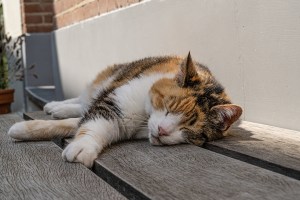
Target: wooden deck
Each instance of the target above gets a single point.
(255, 162)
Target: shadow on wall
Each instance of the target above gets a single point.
(39, 50)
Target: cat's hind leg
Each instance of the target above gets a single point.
(43, 129)
(69, 108)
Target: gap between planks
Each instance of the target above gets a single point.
(131, 192)
(248, 143)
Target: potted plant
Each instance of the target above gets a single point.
(10, 65)
(6, 94)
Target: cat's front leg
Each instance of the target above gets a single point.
(70, 108)
(51, 105)
(83, 150)
(90, 139)
(65, 111)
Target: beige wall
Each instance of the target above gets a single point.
(12, 17)
(251, 46)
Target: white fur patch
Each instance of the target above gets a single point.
(64, 109)
(43, 129)
(99, 134)
(169, 123)
(132, 97)
(19, 131)
(84, 150)
(49, 106)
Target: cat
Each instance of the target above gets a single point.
(169, 100)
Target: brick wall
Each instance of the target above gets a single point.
(48, 15)
(37, 15)
(68, 12)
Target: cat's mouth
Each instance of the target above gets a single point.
(154, 140)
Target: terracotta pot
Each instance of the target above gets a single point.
(6, 98)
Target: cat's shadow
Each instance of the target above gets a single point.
(239, 134)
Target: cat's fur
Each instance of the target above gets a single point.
(169, 100)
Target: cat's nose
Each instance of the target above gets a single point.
(162, 132)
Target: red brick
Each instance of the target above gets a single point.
(37, 1)
(56, 22)
(90, 10)
(30, 1)
(49, 1)
(86, 11)
(58, 7)
(48, 7)
(77, 2)
(32, 8)
(121, 3)
(63, 20)
(61, 6)
(48, 18)
(39, 28)
(133, 1)
(71, 3)
(33, 19)
(111, 5)
(38, 7)
(102, 6)
(23, 28)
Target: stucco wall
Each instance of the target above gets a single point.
(12, 17)
(251, 46)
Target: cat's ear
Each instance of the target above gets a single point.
(187, 72)
(226, 115)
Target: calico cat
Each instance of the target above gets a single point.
(169, 100)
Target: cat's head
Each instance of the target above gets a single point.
(191, 108)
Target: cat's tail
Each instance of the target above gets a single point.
(43, 129)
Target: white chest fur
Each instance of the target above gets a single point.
(131, 100)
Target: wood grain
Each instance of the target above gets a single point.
(273, 144)
(36, 115)
(35, 170)
(190, 172)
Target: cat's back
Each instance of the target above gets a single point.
(119, 74)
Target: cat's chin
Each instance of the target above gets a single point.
(173, 139)
(155, 141)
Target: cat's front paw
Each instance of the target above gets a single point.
(50, 106)
(61, 111)
(84, 150)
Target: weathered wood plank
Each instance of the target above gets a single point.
(35, 170)
(190, 172)
(272, 144)
(276, 145)
(36, 115)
